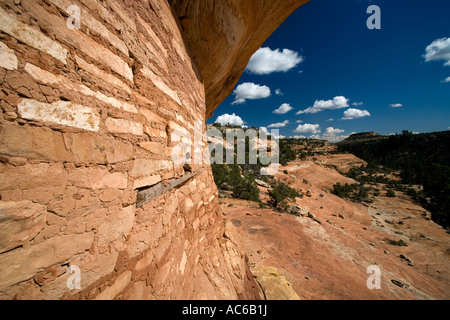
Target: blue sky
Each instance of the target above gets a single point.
(335, 63)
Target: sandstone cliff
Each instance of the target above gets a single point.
(87, 123)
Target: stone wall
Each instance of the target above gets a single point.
(87, 121)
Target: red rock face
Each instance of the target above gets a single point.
(88, 118)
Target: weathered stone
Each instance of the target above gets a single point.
(8, 59)
(94, 26)
(119, 284)
(31, 36)
(275, 286)
(146, 167)
(97, 178)
(10, 116)
(92, 268)
(102, 75)
(152, 117)
(146, 182)
(19, 223)
(22, 264)
(144, 262)
(124, 126)
(153, 147)
(34, 143)
(48, 78)
(60, 112)
(152, 34)
(32, 176)
(79, 40)
(90, 148)
(160, 84)
(155, 133)
(109, 195)
(118, 224)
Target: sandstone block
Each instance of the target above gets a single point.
(97, 178)
(124, 126)
(79, 40)
(48, 78)
(153, 147)
(155, 133)
(95, 26)
(21, 264)
(33, 143)
(102, 75)
(31, 36)
(8, 59)
(119, 284)
(19, 223)
(146, 167)
(147, 181)
(109, 195)
(117, 225)
(60, 112)
(32, 176)
(92, 268)
(160, 84)
(92, 148)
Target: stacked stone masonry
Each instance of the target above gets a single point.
(87, 118)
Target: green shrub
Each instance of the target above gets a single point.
(280, 192)
(390, 193)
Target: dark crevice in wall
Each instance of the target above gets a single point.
(147, 194)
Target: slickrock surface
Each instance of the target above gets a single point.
(89, 117)
(325, 251)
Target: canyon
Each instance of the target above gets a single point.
(91, 105)
(90, 118)
(324, 249)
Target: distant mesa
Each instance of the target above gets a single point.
(362, 136)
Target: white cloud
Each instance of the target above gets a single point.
(298, 137)
(230, 119)
(334, 131)
(331, 134)
(357, 104)
(278, 92)
(250, 91)
(351, 114)
(321, 105)
(308, 128)
(316, 136)
(279, 125)
(439, 49)
(334, 135)
(299, 121)
(266, 61)
(396, 105)
(446, 80)
(283, 109)
(329, 120)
